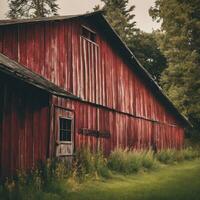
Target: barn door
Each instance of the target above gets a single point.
(64, 130)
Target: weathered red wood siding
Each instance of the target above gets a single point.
(114, 96)
(126, 130)
(24, 125)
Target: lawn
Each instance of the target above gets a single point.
(181, 181)
(171, 182)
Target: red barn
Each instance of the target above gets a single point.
(71, 81)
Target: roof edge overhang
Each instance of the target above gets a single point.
(5, 22)
(20, 72)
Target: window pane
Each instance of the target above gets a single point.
(65, 129)
(68, 136)
(68, 125)
(64, 124)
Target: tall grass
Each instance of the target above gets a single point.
(131, 161)
(89, 164)
(170, 156)
(128, 162)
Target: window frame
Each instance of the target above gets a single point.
(67, 118)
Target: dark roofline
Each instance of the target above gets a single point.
(18, 71)
(97, 19)
(5, 22)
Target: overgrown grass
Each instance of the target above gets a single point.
(170, 156)
(89, 164)
(50, 177)
(128, 162)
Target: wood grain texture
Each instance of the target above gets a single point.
(126, 131)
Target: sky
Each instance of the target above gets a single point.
(142, 18)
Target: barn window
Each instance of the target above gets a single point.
(88, 34)
(65, 134)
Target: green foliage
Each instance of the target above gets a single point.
(128, 162)
(32, 8)
(145, 47)
(166, 156)
(171, 156)
(120, 16)
(181, 46)
(148, 160)
(90, 164)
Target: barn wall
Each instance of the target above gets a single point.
(25, 126)
(126, 130)
(95, 73)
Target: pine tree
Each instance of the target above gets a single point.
(32, 8)
(121, 17)
(181, 46)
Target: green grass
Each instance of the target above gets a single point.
(169, 182)
(181, 181)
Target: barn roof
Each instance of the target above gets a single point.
(100, 22)
(16, 70)
(44, 19)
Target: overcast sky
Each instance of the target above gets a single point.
(142, 17)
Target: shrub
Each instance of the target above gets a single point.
(148, 160)
(166, 156)
(89, 164)
(128, 162)
(117, 160)
(170, 156)
(189, 153)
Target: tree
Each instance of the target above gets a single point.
(145, 47)
(32, 8)
(120, 16)
(181, 46)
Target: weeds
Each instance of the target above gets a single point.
(170, 156)
(49, 176)
(131, 161)
(89, 164)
